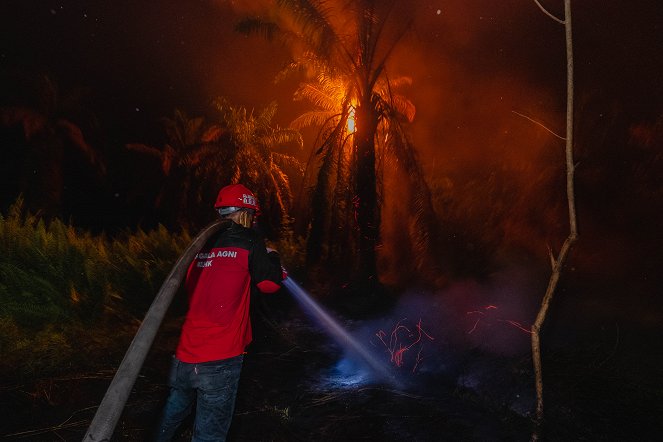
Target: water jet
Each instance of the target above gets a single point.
(354, 350)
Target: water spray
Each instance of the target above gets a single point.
(342, 337)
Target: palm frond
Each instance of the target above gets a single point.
(288, 162)
(320, 207)
(75, 135)
(314, 118)
(307, 62)
(282, 137)
(398, 82)
(32, 121)
(264, 120)
(396, 108)
(422, 212)
(313, 24)
(281, 192)
(181, 130)
(256, 26)
(144, 148)
(404, 107)
(212, 134)
(322, 95)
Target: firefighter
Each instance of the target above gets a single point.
(208, 360)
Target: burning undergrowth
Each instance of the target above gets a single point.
(471, 337)
(470, 344)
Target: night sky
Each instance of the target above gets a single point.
(138, 60)
(470, 61)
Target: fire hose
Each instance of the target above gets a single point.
(105, 419)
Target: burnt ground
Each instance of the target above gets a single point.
(294, 389)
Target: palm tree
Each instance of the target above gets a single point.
(187, 159)
(330, 197)
(257, 162)
(199, 158)
(50, 135)
(347, 47)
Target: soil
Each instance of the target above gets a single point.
(294, 387)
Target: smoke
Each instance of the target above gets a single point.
(434, 331)
(492, 316)
(481, 73)
(472, 334)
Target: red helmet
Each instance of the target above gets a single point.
(237, 197)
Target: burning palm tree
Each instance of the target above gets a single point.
(344, 49)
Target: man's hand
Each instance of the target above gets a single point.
(269, 250)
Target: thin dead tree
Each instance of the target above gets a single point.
(557, 263)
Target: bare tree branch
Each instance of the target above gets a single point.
(539, 124)
(545, 11)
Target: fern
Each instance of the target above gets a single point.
(59, 285)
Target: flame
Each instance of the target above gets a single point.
(351, 120)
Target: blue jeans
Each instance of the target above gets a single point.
(213, 387)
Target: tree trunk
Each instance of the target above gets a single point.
(367, 208)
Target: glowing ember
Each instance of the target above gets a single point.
(481, 314)
(401, 340)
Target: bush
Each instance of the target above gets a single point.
(141, 261)
(49, 273)
(62, 289)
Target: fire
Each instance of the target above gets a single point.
(401, 340)
(351, 120)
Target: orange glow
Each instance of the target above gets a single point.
(351, 120)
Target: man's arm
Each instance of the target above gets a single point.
(265, 268)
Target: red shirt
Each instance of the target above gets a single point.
(218, 282)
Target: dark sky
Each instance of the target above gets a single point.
(141, 59)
